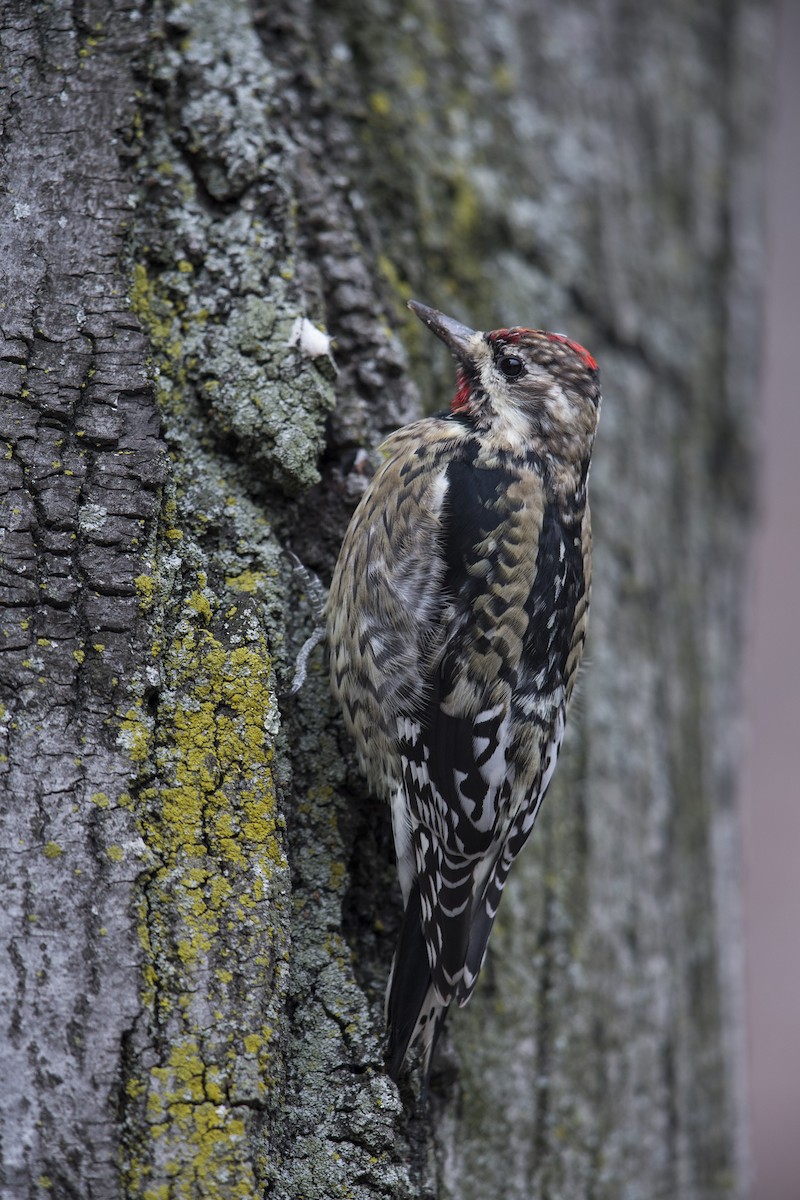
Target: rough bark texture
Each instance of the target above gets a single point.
(199, 898)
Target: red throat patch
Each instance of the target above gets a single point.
(461, 399)
(582, 353)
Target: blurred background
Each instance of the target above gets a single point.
(771, 787)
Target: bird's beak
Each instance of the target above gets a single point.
(454, 335)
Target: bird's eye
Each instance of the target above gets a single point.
(511, 365)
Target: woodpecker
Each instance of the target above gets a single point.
(456, 622)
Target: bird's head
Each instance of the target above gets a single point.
(530, 389)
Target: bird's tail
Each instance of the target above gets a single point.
(414, 1009)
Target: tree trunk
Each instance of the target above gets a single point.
(199, 893)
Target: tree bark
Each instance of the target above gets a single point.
(199, 893)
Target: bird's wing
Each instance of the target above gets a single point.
(384, 606)
(557, 610)
(459, 746)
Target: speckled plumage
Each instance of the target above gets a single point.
(456, 621)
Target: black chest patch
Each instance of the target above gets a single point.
(476, 507)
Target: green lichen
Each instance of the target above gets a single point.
(226, 349)
(205, 804)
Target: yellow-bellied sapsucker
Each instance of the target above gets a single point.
(456, 621)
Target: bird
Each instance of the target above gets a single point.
(456, 622)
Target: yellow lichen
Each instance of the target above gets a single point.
(210, 822)
(205, 807)
(155, 311)
(246, 581)
(135, 734)
(52, 850)
(380, 103)
(208, 1142)
(200, 604)
(466, 211)
(144, 590)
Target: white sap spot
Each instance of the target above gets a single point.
(312, 341)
